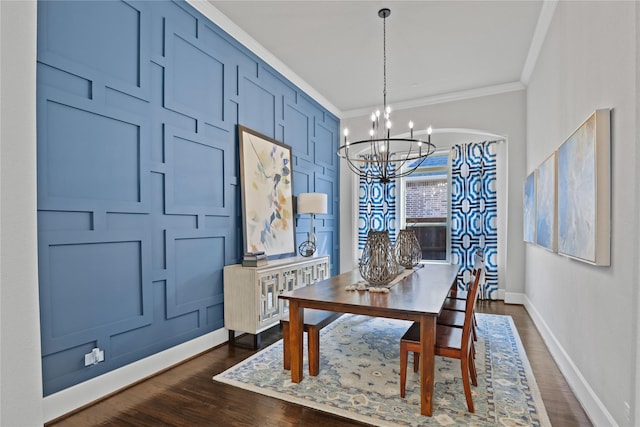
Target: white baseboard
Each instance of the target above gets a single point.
(514, 298)
(72, 398)
(592, 405)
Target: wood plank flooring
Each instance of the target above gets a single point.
(185, 395)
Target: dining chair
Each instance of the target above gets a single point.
(453, 312)
(455, 293)
(452, 342)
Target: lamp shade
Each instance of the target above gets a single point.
(312, 203)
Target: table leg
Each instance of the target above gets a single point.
(296, 329)
(427, 367)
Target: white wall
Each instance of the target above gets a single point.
(588, 314)
(20, 371)
(501, 114)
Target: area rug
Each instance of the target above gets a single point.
(359, 377)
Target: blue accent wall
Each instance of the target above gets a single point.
(138, 175)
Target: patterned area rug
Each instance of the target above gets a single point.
(359, 377)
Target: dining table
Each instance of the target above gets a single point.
(417, 297)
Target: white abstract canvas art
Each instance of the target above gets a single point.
(584, 191)
(529, 197)
(546, 204)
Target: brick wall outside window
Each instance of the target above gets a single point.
(426, 199)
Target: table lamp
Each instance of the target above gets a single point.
(311, 203)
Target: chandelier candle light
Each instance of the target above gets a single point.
(389, 157)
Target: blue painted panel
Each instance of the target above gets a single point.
(91, 156)
(324, 185)
(153, 337)
(195, 166)
(258, 108)
(58, 79)
(297, 131)
(325, 148)
(55, 220)
(195, 81)
(105, 39)
(302, 182)
(65, 363)
(197, 259)
(195, 179)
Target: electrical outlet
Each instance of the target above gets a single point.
(88, 359)
(96, 356)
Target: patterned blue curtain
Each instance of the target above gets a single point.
(474, 211)
(377, 207)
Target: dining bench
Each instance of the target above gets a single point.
(314, 321)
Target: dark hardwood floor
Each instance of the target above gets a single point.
(185, 395)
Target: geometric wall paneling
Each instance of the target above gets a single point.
(584, 191)
(108, 43)
(101, 278)
(65, 368)
(195, 260)
(131, 345)
(297, 133)
(323, 184)
(194, 79)
(195, 179)
(69, 84)
(271, 81)
(67, 221)
(302, 181)
(325, 146)
(139, 202)
(257, 106)
(89, 156)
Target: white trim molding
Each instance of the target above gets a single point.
(227, 25)
(514, 298)
(67, 400)
(443, 98)
(593, 406)
(540, 33)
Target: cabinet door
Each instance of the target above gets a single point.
(289, 282)
(307, 275)
(322, 271)
(269, 288)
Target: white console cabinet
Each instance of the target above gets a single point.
(251, 302)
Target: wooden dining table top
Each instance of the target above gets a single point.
(421, 292)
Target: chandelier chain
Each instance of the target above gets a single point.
(384, 60)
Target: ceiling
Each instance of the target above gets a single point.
(434, 48)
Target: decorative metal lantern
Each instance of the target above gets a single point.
(408, 251)
(378, 264)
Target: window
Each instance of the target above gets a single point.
(425, 206)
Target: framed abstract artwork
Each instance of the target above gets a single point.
(529, 202)
(546, 203)
(584, 188)
(267, 200)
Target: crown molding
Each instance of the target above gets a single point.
(222, 21)
(540, 33)
(441, 99)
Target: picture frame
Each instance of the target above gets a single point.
(529, 208)
(584, 188)
(546, 204)
(266, 177)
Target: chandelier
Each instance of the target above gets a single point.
(380, 156)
